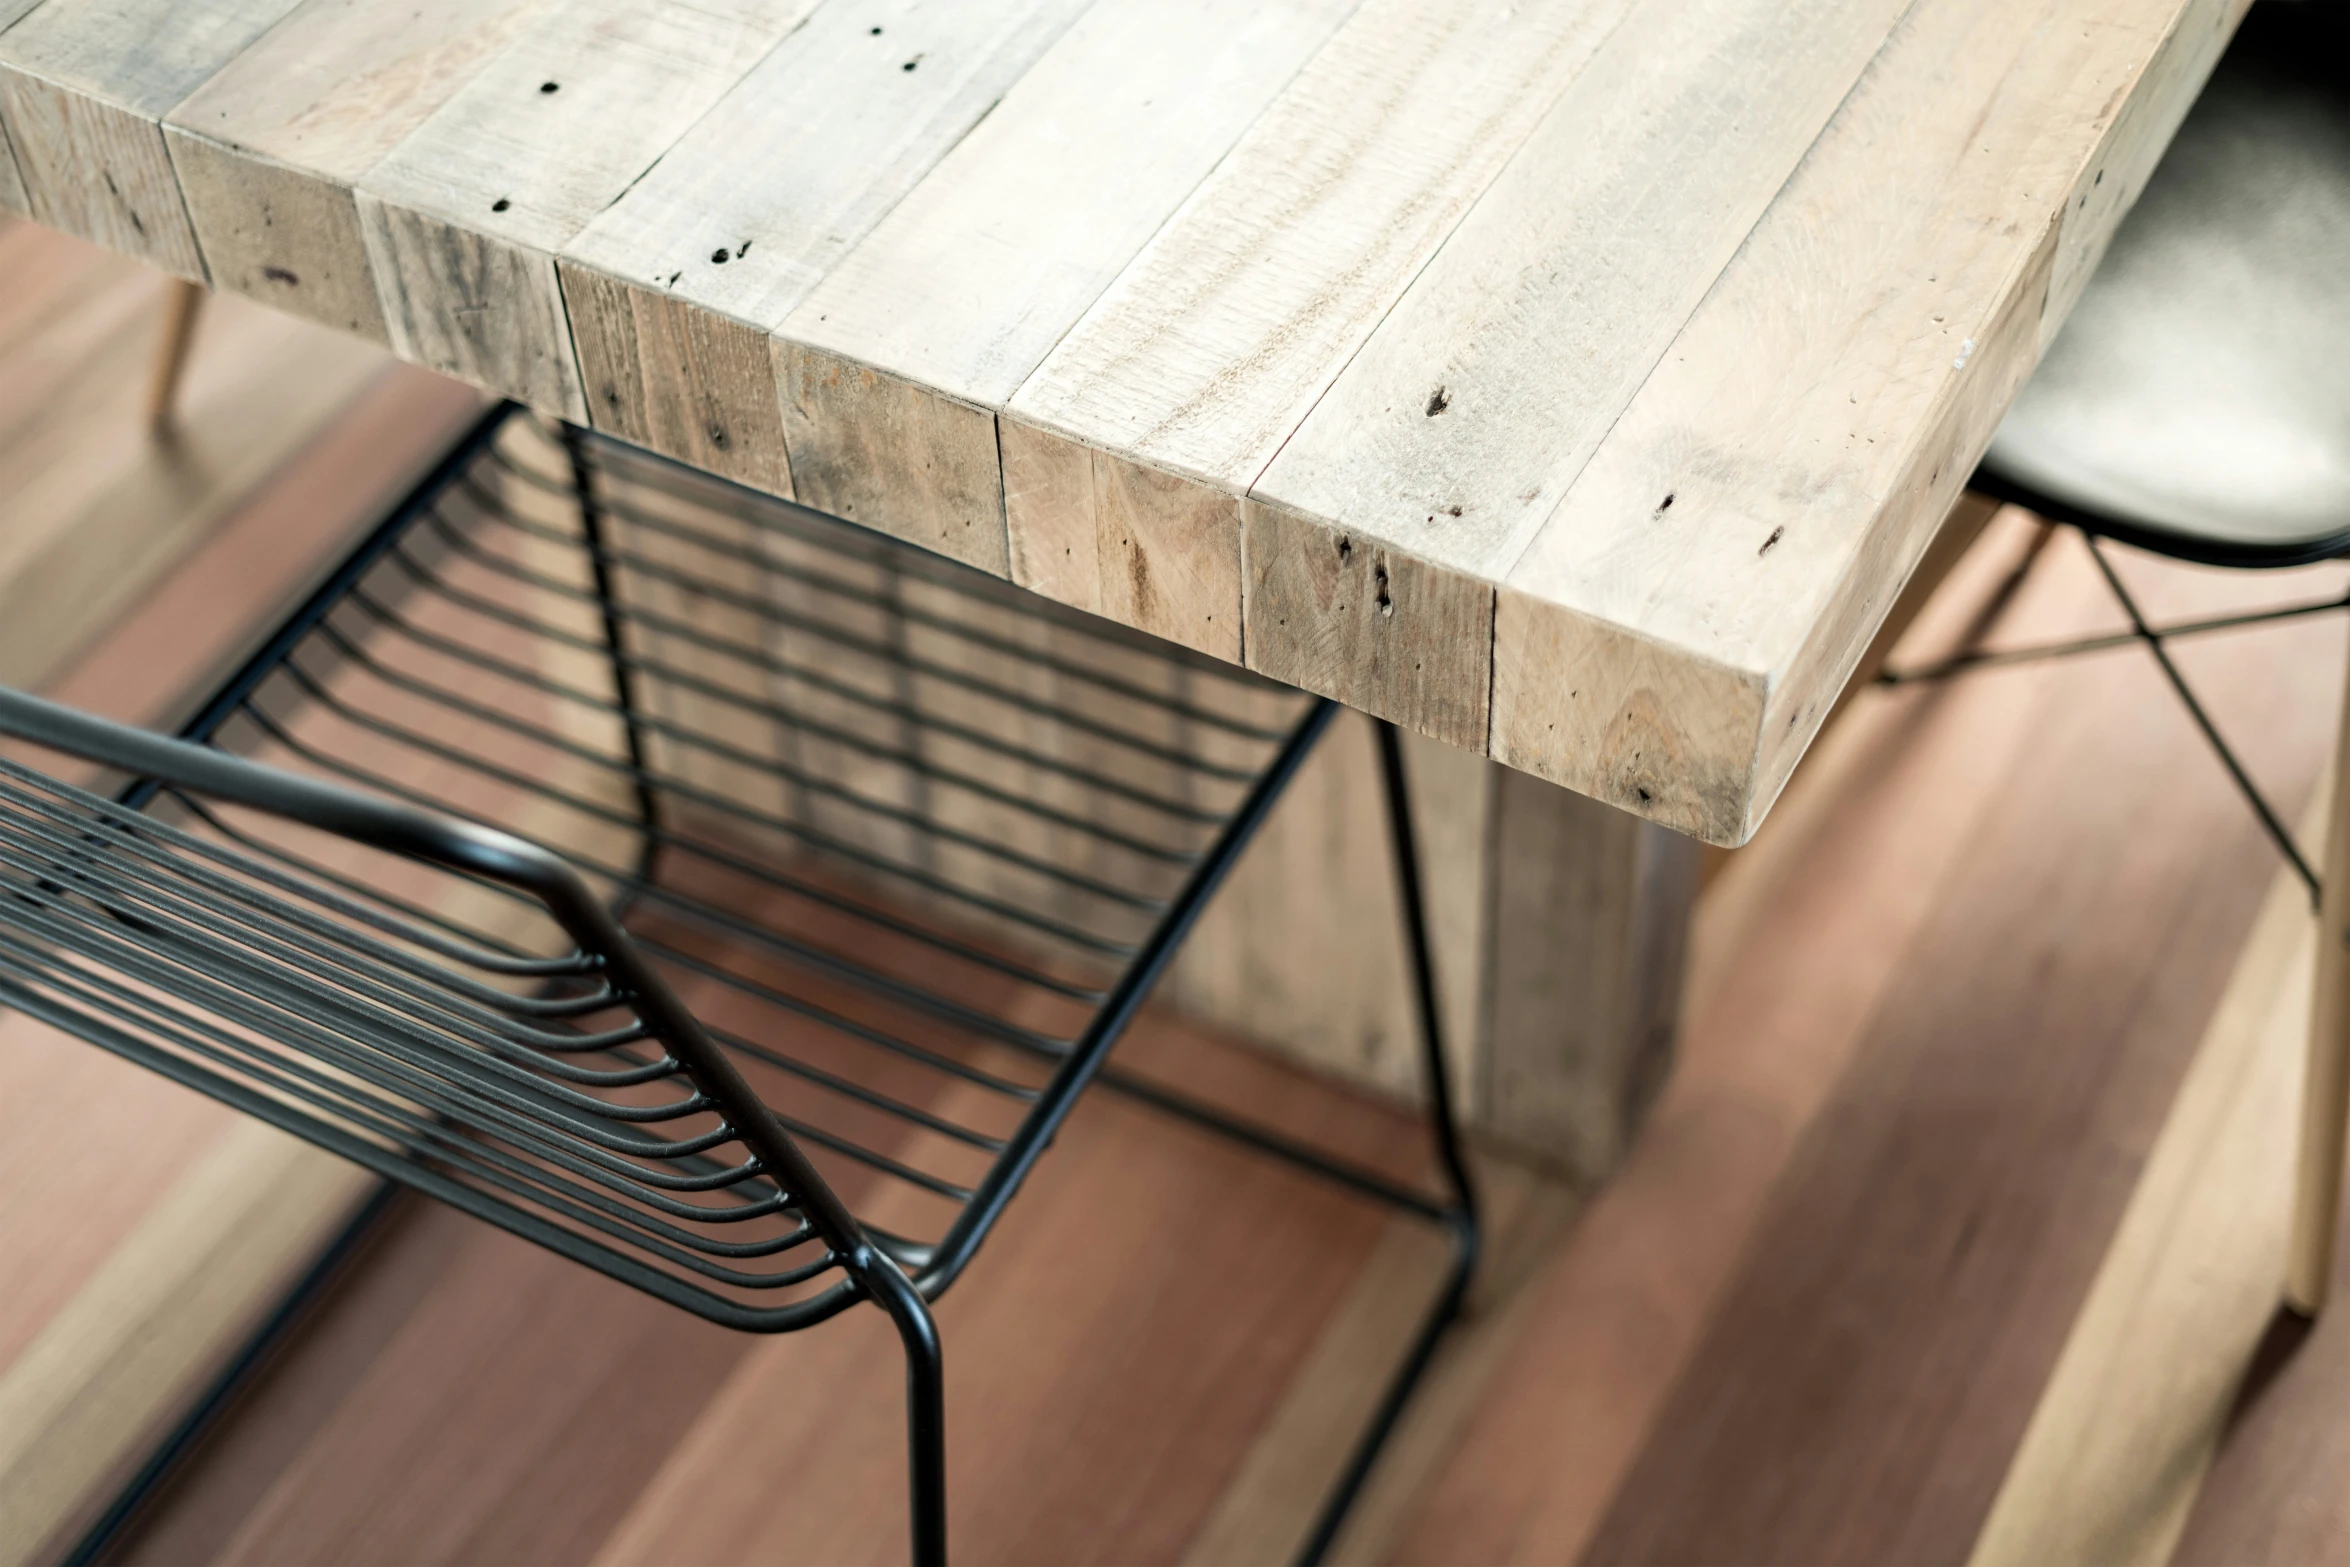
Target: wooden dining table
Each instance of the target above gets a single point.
(1577, 382)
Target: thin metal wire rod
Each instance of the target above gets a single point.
(259, 983)
(758, 658)
(433, 690)
(813, 679)
(836, 587)
(861, 546)
(962, 950)
(1355, 1177)
(992, 593)
(360, 1042)
(1962, 663)
(232, 898)
(505, 1215)
(591, 528)
(423, 1137)
(872, 1098)
(299, 1000)
(1073, 1073)
(767, 820)
(874, 983)
(133, 825)
(1462, 1219)
(2277, 831)
(597, 812)
(361, 1045)
(198, 917)
(850, 1027)
(406, 908)
(700, 912)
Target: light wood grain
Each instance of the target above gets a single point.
(137, 1336)
(1207, 351)
(2141, 1397)
(83, 85)
(1780, 481)
(1368, 624)
(463, 218)
(1673, 323)
(268, 149)
(685, 275)
(1452, 432)
(971, 280)
(2325, 1084)
(882, 452)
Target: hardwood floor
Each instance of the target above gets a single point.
(1940, 1016)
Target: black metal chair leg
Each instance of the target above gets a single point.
(926, 1413)
(2274, 825)
(1461, 1219)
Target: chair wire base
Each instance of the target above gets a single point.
(2156, 640)
(434, 614)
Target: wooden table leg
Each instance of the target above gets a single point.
(180, 306)
(2325, 1102)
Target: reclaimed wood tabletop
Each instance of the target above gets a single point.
(1575, 381)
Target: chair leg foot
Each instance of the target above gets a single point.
(2325, 1094)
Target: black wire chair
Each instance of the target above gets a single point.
(723, 896)
(2196, 405)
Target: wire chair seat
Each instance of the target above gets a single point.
(893, 837)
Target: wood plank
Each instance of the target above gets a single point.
(676, 286)
(268, 149)
(1278, 1489)
(83, 84)
(463, 218)
(1783, 479)
(1206, 352)
(966, 286)
(1451, 433)
(199, 1269)
(2140, 1400)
